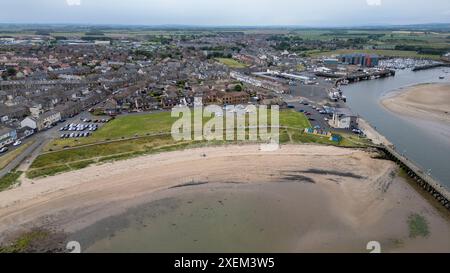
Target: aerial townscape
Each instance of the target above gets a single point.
(87, 153)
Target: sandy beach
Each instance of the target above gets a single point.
(334, 199)
(428, 105)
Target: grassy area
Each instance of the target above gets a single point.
(300, 68)
(7, 158)
(9, 180)
(145, 125)
(387, 53)
(418, 226)
(352, 140)
(77, 156)
(121, 127)
(23, 242)
(232, 63)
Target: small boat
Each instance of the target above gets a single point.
(441, 77)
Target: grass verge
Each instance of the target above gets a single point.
(9, 180)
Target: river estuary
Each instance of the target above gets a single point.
(420, 145)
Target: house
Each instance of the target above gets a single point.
(233, 98)
(7, 136)
(8, 113)
(69, 109)
(43, 121)
(25, 131)
(167, 103)
(30, 122)
(36, 110)
(344, 119)
(111, 107)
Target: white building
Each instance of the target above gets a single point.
(99, 42)
(344, 119)
(43, 121)
(7, 136)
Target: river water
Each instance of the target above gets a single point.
(418, 143)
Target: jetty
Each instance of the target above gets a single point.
(424, 180)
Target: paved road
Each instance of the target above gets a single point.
(41, 139)
(13, 164)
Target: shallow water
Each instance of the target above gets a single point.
(241, 218)
(417, 142)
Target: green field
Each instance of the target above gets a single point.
(9, 180)
(134, 135)
(231, 63)
(122, 127)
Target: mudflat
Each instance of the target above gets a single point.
(427, 105)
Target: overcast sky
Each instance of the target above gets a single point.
(227, 12)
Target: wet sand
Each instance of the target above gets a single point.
(427, 105)
(301, 198)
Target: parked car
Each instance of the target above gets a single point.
(3, 150)
(17, 143)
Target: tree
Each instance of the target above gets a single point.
(11, 72)
(238, 88)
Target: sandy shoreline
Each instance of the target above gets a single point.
(427, 105)
(360, 192)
